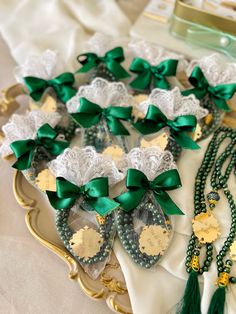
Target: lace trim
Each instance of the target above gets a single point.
(103, 93)
(100, 43)
(155, 54)
(216, 69)
(81, 165)
(152, 161)
(22, 127)
(42, 66)
(173, 104)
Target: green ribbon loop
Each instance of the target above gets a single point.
(25, 149)
(138, 184)
(95, 193)
(219, 93)
(111, 60)
(155, 120)
(62, 85)
(148, 73)
(89, 114)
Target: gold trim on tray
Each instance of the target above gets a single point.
(8, 102)
(106, 287)
(196, 15)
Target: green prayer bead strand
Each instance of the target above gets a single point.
(218, 181)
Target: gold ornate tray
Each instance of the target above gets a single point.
(110, 286)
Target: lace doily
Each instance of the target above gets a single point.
(173, 104)
(216, 69)
(100, 43)
(22, 127)
(155, 54)
(103, 93)
(42, 66)
(152, 161)
(81, 165)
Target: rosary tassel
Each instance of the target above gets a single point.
(191, 302)
(217, 302)
(218, 299)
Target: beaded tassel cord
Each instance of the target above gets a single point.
(202, 238)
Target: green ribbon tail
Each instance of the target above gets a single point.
(113, 114)
(166, 203)
(89, 113)
(117, 70)
(23, 151)
(103, 205)
(89, 60)
(161, 82)
(142, 82)
(184, 140)
(131, 199)
(60, 203)
(36, 86)
(221, 104)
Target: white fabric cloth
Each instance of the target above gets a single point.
(30, 27)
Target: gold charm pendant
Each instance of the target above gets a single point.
(206, 227)
(86, 242)
(153, 240)
(46, 181)
(114, 151)
(161, 141)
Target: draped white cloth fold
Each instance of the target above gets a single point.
(30, 27)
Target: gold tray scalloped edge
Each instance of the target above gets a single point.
(108, 288)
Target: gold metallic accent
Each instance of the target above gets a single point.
(112, 303)
(195, 263)
(208, 119)
(100, 219)
(206, 227)
(86, 242)
(111, 283)
(197, 134)
(223, 279)
(98, 291)
(8, 102)
(46, 181)
(160, 140)
(48, 104)
(196, 15)
(159, 18)
(31, 214)
(115, 151)
(140, 98)
(153, 240)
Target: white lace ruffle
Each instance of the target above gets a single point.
(155, 54)
(100, 43)
(22, 127)
(216, 69)
(173, 104)
(103, 93)
(81, 165)
(42, 66)
(152, 161)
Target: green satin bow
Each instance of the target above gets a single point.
(89, 114)
(138, 184)
(62, 85)
(95, 193)
(111, 59)
(219, 93)
(25, 149)
(155, 120)
(148, 73)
